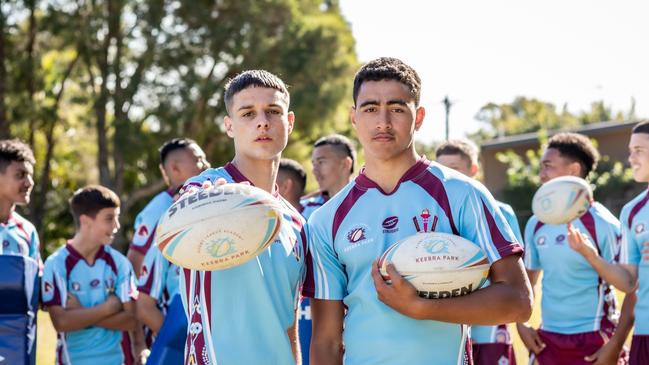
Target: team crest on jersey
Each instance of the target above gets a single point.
(390, 224)
(5, 243)
(356, 234)
(503, 360)
(47, 288)
(561, 238)
(639, 228)
(144, 272)
(94, 283)
(540, 241)
(502, 336)
(76, 286)
(426, 221)
(110, 283)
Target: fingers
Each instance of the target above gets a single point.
(220, 181)
(395, 277)
(379, 283)
(539, 345)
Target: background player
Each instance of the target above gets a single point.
(333, 161)
(88, 287)
(490, 344)
(384, 324)
(574, 326)
(256, 301)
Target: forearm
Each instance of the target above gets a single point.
(625, 323)
(506, 304)
(326, 353)
(76, 319)
(121, 321)
(327, 335)
(151, 316)
(612, 273)
(295, 343)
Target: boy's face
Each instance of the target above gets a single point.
(554, 165)
(385, 118)
(330, 167)
(16, 182)
(259, 122)
(639, 156)
(103, 227)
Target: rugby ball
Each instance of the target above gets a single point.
(562, 200)
(219, 227)
(439, 265)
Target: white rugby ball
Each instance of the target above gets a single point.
(219, 227)
(439, 265)
(562, 200)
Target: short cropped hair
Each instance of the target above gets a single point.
(341, 143)
(463, 147)
(295, 171)
(90, 200)
(388, 68)
(642, 127)
(253, 78)
(14, 150)
(577, 148)
(172, 145)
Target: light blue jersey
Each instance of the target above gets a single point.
(147, 220)
(241, 315)
(635, 251)
(357, 225)
(159, 278)
(19, 237)
(498, 334)
(67, 272)
(310, 204)
(575, 298)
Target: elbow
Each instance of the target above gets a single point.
(523, 309)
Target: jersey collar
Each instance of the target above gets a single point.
(238, 177)
(415, 170)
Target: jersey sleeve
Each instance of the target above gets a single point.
(125, 288)
(482, 222)
(144, 232)
(35, 248)
(630, 248)
(330, 281)
(152, 275)
(609, 240)
(53, 285)
(531, 257)
(510, 216)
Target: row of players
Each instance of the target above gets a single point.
(246, 314)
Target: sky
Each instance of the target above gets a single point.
(476, 52)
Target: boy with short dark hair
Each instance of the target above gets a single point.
(88, 287)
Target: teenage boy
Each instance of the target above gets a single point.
(88, 287)
(391, 324)
(291, 182)
(247, 314)
(490, 344)
(333, 159)
(578, 307)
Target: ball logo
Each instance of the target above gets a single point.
(390, 222)
(639, 228)
(219, 247)
(546, 204)
(435, 247)
(94, 283)
(76, 286)
(356, 235)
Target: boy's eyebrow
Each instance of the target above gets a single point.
(369, 102)
(398, 102)
(244, 107)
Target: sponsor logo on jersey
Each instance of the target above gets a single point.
(95, 283)
(639, 228)
(561, 238)
(143, 230)
(5, 243)
(390, 224)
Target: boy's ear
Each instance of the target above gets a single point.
(227, 123)
(84, 220)
(291, 121)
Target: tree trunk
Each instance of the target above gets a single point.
(29, 77)
(4, 123)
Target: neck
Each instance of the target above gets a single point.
(85, 247)
(338, 187)
(262, 173)
(387, 172)
(6, 208)
(295, 202)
